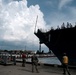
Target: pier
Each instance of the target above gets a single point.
(43, 70)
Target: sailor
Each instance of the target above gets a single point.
(65, 64)
(34, 61)
(23, 59)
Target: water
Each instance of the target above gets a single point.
(49, 60)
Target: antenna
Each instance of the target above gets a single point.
(36, 24)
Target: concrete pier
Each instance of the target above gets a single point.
(43, 70)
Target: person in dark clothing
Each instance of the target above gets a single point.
(65, 64)
(23, 60)
(34, 61)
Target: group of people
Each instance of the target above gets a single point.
(35, 60)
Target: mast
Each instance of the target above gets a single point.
(36, 24)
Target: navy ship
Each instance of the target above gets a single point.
(60, 40)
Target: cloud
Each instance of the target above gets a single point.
(64, 3)
(17, 22)
(49, 3)
(58, 17)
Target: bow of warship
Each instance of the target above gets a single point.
(60, 40)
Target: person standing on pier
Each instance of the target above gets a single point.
(23, 59)
(65, 64)
(34, 60)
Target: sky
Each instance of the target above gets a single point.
(18, 18)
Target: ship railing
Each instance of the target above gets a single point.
(63, 26)
(45, 30)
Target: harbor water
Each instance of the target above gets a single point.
(48, 60)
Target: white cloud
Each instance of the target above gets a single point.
(64, 3)
(17, 21)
